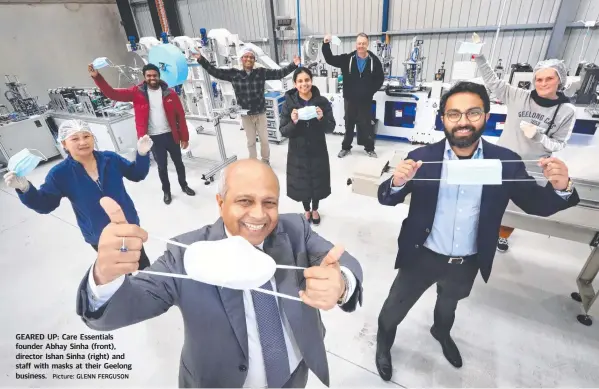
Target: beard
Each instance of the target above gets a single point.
(462, 142)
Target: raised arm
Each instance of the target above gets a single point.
(319, 248)
(120, 94)
(133, 171)
(221, 74)
(333, 60)
(108, 298)
(501, 89)
(277, 74)
(43, 200)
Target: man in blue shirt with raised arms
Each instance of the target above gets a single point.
(444, 240)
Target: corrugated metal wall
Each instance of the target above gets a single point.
(572, 45)
(348, 17)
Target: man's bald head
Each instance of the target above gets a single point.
(248, 199)
(245, 167)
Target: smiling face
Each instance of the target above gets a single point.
(303, 83)
(80, 144)
(250, 206)
(546, 83)
(248, 60)
(464, 119)
(152, 78)
(362, 46)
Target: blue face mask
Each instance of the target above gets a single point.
(24, 162)
(100, 63)
(307, 113)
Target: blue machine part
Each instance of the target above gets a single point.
(400, 114)
(275, 95)
(164, 37)
(171, 62)
(582, 127)
(132, 42)
(203, 36)
(215, 89)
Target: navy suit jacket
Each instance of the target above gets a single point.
(528, 195)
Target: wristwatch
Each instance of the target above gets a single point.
(344, 295)
(570, 186)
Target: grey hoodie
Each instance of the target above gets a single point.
(522, 107)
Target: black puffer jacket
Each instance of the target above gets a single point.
(308, 169)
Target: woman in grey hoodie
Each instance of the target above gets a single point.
(539, 122)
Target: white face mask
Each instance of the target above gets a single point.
(307, 113)
(101, 62)
(229, 263)
(474, 172)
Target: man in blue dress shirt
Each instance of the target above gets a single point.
(444, 239)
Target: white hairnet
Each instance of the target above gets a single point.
(246, 50)
(557, 65)
(71, 127)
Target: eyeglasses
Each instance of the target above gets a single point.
(472, 115)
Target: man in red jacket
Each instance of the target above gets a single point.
(158, 113)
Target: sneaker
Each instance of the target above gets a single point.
(371, 154)
(502, 245)
(266, 161)
(344, 153)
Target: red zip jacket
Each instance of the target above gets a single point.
(141, 106)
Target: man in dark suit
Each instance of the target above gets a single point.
(451, 231)
(233, 338)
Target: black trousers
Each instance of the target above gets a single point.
(163, 144)
(454, 283)
(359, 114)
(307, 205)
(144, 261)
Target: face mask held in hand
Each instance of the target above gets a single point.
(24, 162)
(474, 172)
(101, 62)
(307, 113)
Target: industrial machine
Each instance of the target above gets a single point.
(578, 224)
(25, 126)
(589, 80)
(521, 76)
(111, 122)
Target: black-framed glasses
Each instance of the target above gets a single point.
(472, 115)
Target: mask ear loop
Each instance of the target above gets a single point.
(185, 276)
(42, 154)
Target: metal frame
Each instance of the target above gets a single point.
(270, 22)
(208, 177)
(565, 14)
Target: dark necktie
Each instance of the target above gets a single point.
(270, 329)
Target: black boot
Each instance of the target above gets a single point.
(167, 198)
(450, 350)
(382, 359)
(188, 191)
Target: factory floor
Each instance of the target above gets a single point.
(519, 330)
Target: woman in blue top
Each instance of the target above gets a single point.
(84, 177)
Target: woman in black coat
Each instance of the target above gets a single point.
(308, 170)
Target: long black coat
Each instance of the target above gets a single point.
(308, 169)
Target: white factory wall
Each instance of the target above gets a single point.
(50, 45)
(348, 17)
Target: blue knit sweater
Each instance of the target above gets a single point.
(69, 179)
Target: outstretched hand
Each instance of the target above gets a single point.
(324, 283)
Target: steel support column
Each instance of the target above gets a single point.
(270, 26)
(565, 15)
(155, 18)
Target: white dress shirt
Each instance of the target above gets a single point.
(256, 374)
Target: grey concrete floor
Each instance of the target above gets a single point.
(519, 330)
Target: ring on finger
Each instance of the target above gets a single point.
(123, 248)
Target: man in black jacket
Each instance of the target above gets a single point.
(362, 77)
